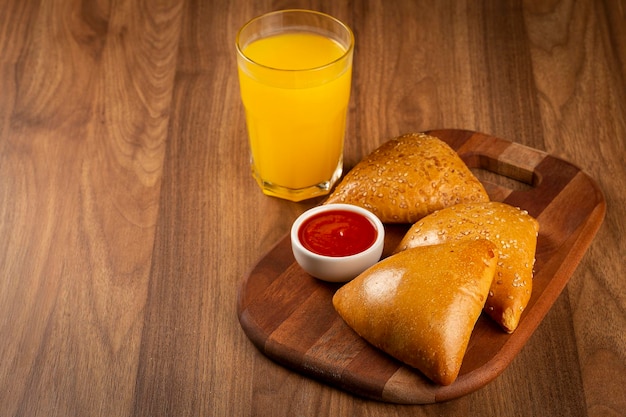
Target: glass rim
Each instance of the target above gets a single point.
(347, 52)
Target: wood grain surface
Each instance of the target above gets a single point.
(129, 218)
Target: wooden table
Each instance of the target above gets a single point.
(128, 215)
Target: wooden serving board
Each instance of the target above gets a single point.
(289, 315)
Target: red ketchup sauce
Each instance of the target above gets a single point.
(337, 233)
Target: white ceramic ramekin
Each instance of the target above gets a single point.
(337, 268)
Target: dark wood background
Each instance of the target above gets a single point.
(128, 216)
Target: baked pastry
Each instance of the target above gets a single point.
(421, 305)
(407, 178)
(512, 230)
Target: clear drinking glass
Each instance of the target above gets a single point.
(295, 71)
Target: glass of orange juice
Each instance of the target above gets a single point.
(295, 69)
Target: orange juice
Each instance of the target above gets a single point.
(295, 88)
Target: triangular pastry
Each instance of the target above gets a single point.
(420, 305)
(512, 230)
(407, 178)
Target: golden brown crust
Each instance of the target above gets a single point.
(407, 178)
(421, 305)
(512, 230)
